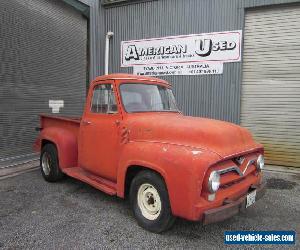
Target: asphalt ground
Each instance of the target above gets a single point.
(69, 214)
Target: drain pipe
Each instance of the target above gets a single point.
(109, 34)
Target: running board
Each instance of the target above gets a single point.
(102, 184)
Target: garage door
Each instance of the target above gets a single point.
(43, 57)
(270, 102)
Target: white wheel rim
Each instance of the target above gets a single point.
(46, 163)
(149, 201)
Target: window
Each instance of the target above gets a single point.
(147, 98)
(104, 100)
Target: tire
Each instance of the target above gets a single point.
(49, 163)
(150, 203)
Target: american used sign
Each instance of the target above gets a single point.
(218, 46)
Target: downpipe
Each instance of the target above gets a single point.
(107, 38)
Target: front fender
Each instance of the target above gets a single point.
(181, 167)
(66, 144)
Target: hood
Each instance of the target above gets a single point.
(222, 138)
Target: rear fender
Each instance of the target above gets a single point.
(66, 144)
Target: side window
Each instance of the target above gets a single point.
(104, 100)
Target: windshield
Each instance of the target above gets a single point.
(147, 98)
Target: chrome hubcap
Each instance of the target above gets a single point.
(46, 163)
(149, 201)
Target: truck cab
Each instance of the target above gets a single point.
(133, 142)
(106, 120)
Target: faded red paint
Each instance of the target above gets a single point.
(184, 150)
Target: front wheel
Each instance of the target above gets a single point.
(150, 202)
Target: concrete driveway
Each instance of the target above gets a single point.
(72, 215)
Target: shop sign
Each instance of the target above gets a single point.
(207, 47)
(202, 68)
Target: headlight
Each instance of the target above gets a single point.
(260, 163)
(214, 182)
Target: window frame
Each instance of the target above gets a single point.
(115, 96)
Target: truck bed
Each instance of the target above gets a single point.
(67, 124)
(61, 118)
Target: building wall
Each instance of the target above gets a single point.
(215, 96)
(43, 57)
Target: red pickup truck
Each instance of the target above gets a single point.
(132, 141)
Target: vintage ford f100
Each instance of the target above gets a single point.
(133, 142)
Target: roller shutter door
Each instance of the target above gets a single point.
(43, 57)
(270, 100)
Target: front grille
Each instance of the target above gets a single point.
(227, 185)
(235, 170)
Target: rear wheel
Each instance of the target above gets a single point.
(150, 202)
(49, 163)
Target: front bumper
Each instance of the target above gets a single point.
(230, 207)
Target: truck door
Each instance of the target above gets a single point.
(99, 132)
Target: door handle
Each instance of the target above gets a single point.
(85, 122)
